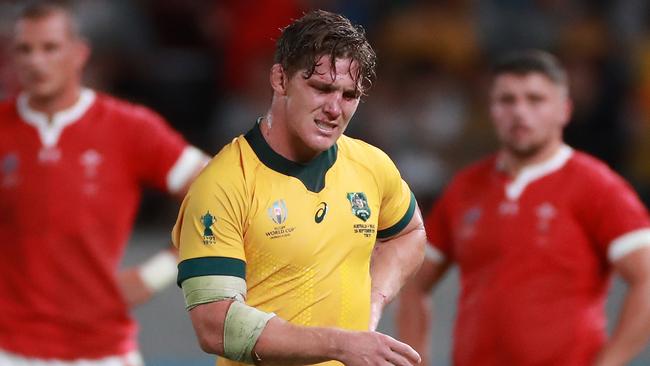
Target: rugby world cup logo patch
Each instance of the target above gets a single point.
(278, 212)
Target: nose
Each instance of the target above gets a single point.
(332, 106)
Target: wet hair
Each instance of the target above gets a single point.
(36, 9)
(531, 61)
(319, 33)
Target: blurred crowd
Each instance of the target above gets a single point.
(204, 65)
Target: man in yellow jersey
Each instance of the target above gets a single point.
(277, 236)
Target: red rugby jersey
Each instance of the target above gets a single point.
(69, 192)
(534, 256)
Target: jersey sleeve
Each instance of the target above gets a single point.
(160, 156)
(397, 202)
(209, 231)
(617, 220)
(438, 228)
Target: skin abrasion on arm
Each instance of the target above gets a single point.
(393, 262)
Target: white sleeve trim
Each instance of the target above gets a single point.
(433, 254)
(188, 164)
(627, 243)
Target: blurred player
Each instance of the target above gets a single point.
(536, 231)
(73, 162)
(276, 235)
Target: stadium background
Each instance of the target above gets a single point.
(204, 66)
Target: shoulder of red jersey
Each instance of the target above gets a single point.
(474, 174)
(7, 105)
(592, 169)
(125, 109)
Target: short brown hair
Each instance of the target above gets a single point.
(35, 9)
(320, 33)
(528, 61)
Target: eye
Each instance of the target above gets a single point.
(22, 49)
(507, 99)
(351, 95)
(536, 98)
(51, 47)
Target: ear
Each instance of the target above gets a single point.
(278, 79)
(82, 53)
(568, 111)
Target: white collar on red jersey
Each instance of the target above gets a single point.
(533, 172)
(50, 132)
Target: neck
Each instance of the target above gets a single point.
(513, 163)
(50, 105)
(274, 130)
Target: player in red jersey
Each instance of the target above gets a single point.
(72, 165)
(536, 230)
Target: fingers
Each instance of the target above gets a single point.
(401, 353)
(397, 360)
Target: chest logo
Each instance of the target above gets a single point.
(208, 221)
(359, 204)
(545, 212)
(321, 211)
(90, 160)
(278, 212)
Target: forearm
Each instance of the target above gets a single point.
(633, 328)
(413, 319)
(288, 344)
(395, 261)
(283, 343)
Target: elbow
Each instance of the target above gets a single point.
(210, 344)
(421, 243)
(208, 322)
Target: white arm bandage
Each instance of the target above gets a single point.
(159, 271)
(243, 324)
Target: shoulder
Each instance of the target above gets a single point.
(8, 107)
(225, 168)
(474, 174)
(9, 112)
(361, 152)
(592, 171)
(125, 110)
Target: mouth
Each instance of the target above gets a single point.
(325, 126)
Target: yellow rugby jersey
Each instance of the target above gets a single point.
(301, 235)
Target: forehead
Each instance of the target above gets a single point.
(528, 82)
(54, 25)
(341, 72)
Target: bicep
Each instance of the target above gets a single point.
(414, 224)
(635, 266)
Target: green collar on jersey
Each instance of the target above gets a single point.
(312, 174)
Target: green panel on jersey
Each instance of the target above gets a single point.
(401, 224)
(210, 266)
(312, 174)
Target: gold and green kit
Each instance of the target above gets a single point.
(300, 235)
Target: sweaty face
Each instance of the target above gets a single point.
(318, 109)
(47, 56)
(529, 112)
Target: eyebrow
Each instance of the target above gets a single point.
(329, 87)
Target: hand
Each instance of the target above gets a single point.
(373, 348)
(377, 303)
(134, 291)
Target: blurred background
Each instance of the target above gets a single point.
(203, 64)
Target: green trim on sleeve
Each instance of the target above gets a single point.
(210, 266)
(401, 224)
